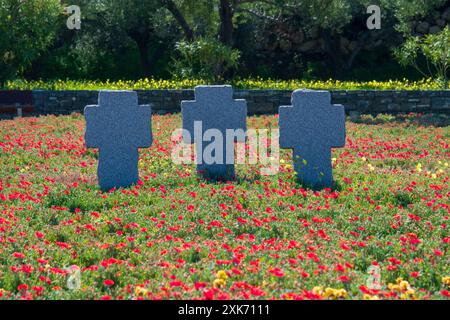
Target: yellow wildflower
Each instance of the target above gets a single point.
(404, 285)
(329, 292)
(218, 283)
(446, 281)
(335, 293)
(393, 287)
(222, 275)
(341, 293)
(369, 297)
(140, 291)
(419, 167)
(410, 294)
(318, 290)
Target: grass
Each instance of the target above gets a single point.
(176, 235)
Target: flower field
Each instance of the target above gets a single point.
(178, 236)
(258, 83)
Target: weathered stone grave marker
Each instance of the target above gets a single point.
(118, 126)
(312, 126)
(214, 116)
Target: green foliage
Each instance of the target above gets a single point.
(435, 48)
(201, 15)
(405, 11)
(112, 29)
(204, 59)
(27, 28)
(132, 39)
(378, 119)
(326, 14)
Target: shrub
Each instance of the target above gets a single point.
(27, 28)
(155, 84)
(204, 59)
(435, 48)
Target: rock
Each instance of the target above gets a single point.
(446, 15)
(344, 45)
(311, 126)
(344, 41)
(441, 23)
(321, 44)
(212, 114)
(272, 44)
(434, 30)
(436, 14)
(440, 103)
(309, 45)
(285, 45)
(352, 45)
(298, 37)
(355, 115)
(314, 32)
(118, 127)
(423, 27)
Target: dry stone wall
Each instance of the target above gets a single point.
(258, 101)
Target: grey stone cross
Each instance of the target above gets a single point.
(214, 113)
(312, 126)
(118, 126)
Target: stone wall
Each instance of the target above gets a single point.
(432, 24)
(258, 101)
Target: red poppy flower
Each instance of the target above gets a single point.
(108, 282)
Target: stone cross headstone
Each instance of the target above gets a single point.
(118, 126)
(312, 126)
(214, 108)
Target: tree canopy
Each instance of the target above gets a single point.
(130, 39)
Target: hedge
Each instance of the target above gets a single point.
(155, 84)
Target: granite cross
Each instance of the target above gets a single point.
(214, 113)
(312, 126)
(118, 127)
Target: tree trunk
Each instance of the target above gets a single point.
(172, 7)
(144, 58)
(339, 64)
(226, 22)
(142, 39)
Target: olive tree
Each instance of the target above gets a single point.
(27, 28)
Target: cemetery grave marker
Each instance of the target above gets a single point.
(312, 126)
(214, 109)
(118, 126)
